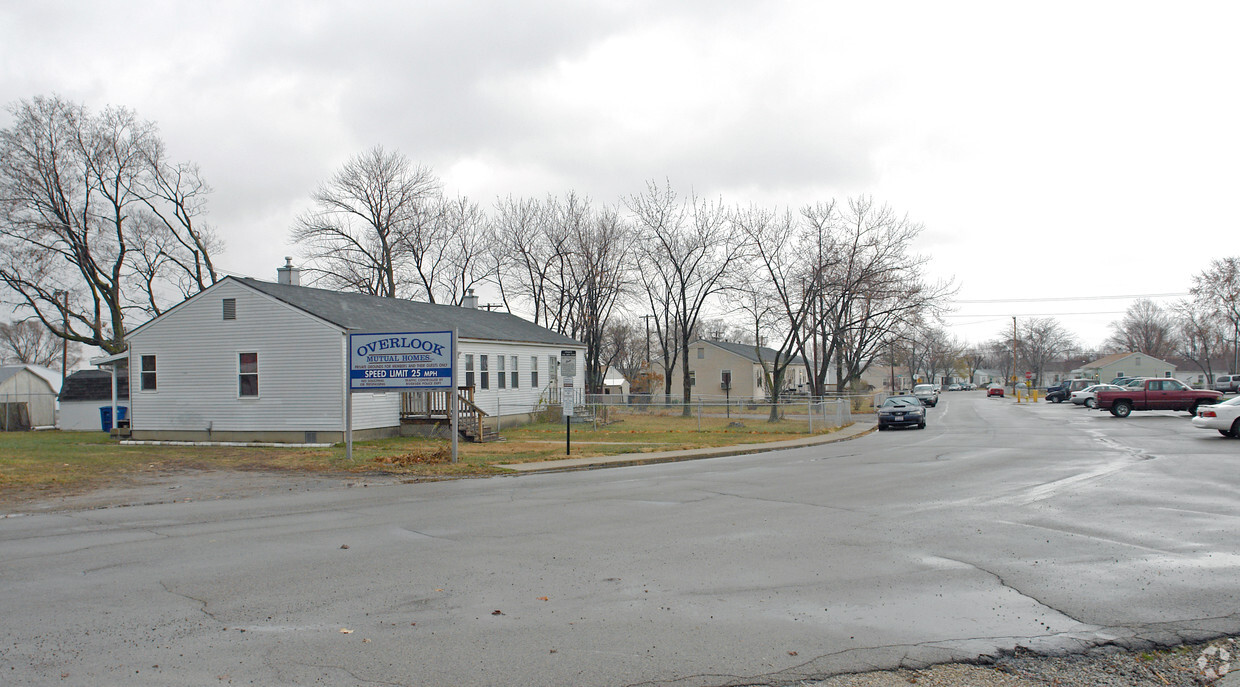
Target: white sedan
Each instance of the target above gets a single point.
(1225, 417)
(1088, 396)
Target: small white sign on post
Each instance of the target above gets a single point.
(568, 370)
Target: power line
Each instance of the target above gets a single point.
(1073, 298)
(995, 317)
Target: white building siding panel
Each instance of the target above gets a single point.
(300, 369)
(526, 397)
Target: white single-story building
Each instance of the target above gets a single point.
(248, 360)
(27, 397)
(86, 400)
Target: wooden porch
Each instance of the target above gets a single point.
(434, 408)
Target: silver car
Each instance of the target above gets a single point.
(928, 394)
(1228, 384)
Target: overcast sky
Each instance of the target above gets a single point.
(1057, 153)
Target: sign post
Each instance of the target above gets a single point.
(568, 370)
(380, 362)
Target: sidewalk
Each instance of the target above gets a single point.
(852, 431)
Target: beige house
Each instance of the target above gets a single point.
(1125, 365)
(712, 362)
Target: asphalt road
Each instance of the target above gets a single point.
(1049, 527)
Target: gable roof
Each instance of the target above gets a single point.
(365, 313)
(748, 351)
(1116, 357)
(94, 385)
(52, 378)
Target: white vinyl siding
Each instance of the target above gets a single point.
(518, 399)
(197, 352)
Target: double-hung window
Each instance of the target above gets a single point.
(469, 369)
(501, 372)
(515, 377)
(247, 375)
(483, 373)
(147, 382)
(534, 371)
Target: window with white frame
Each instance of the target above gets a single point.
(247, 375)
(147, 380)
(484, 373)
(515, 377)
(534, 371)
(553, 368)
(692, 377)
(469, 369)
(501, 371)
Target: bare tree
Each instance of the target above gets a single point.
(1146, 328)
(1217, 289)
(1039, 341)
(866, 285)
(779, 294)
(1202, 336)
(659, 208)
(466, 259)
(370, 224)
(695, 248)
(523, 234)
(29, 342)
(600, 252)
(89, 206)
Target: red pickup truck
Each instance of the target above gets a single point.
(1155, 393)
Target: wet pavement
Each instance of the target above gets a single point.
(999, 526)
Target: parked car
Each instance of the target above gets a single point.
(1155, 393)
(953, 387)
(1088, 396)
(928, 394)
(1122, 381)
(1063, 391)
(1225, 417)
(1228, 384)
(994, 390)
(901, 411)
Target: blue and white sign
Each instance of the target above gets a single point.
(401, 360)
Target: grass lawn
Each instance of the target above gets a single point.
(54, 462)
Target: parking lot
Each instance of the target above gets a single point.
(1048, 527)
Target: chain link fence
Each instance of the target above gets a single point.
(817, 413)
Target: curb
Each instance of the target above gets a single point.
(630, 459)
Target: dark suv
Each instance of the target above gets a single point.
(1063, 392)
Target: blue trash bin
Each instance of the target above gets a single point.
(105, 416)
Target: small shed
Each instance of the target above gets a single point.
(86, 400)
(614, 384)
(27, 397)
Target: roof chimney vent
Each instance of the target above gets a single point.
(288, 274)
(470, 300)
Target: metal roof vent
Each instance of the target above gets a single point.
(288, 274)
(470, 300)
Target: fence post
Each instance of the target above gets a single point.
(699, 414)
(809, 409)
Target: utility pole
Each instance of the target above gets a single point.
(1013, 355)
(647, 319)
(64, 340)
